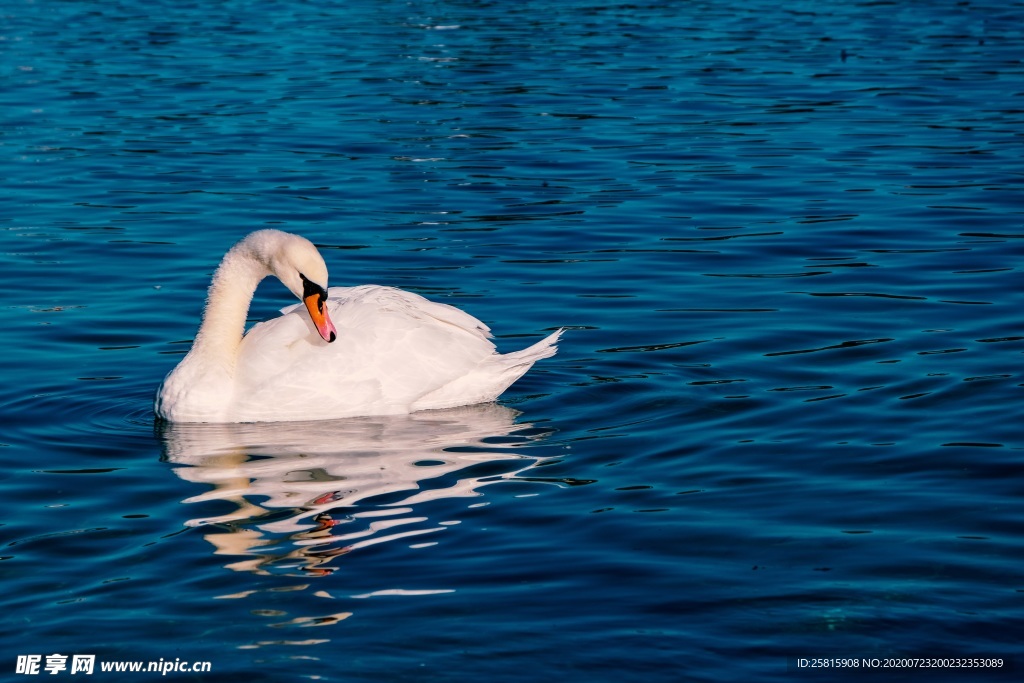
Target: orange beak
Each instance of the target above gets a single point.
(318, 314)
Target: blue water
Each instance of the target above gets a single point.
(786, 240)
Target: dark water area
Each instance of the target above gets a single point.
(786, 242)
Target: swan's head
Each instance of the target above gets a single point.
(298, 264)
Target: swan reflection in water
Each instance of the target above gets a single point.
(307, 492)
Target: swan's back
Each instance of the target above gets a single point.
(396, 352)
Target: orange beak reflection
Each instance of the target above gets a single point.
(315, 304)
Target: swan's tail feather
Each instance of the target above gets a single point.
(545, 348)
(490, 379)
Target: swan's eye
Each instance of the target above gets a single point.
(310, 288)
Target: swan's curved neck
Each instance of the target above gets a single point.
(227, 303)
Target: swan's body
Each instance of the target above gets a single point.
(393, 351)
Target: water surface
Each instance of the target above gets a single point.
(786, 239)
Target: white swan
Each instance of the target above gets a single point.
(349, 351)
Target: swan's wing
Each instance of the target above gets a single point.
(393, 347)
